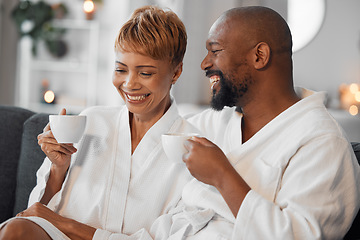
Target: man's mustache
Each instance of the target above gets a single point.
(209, 73)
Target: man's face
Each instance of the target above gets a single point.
(226, 66)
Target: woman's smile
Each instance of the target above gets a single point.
(136, 98)
(144, 83)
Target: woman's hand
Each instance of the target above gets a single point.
(70, 227)
(40, 210)
(59, 154)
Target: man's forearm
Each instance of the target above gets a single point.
(233, 189)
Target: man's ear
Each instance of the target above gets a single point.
(262, 55)
(177, 72)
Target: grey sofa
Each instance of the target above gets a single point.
(20, 157)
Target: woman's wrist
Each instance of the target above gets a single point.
(54, 183)
(77, 230)
(58, 172)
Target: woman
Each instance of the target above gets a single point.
(119, 180)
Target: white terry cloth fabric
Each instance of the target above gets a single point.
(110, 189)
(302, 171)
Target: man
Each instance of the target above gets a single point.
(286, 170)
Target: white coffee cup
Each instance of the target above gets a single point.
(173, 144)
(67, 128)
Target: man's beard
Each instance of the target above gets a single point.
(228, 94)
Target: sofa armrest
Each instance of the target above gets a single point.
(31, 158)
(11, 128)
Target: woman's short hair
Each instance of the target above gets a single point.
(155, 32)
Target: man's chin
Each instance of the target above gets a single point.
(216, 104)
(219, 101)
(217, 108)
(225, 96)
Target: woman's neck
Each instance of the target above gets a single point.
(141, 123)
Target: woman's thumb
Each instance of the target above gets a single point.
(62, 111)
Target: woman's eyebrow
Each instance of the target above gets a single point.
(142, 66)
(139, 66)
(118, 62)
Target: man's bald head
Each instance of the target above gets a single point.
(249, 52)
(259, 24)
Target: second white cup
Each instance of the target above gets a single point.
(173, 144)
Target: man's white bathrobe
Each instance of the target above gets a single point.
(110, 189)
(302, 171)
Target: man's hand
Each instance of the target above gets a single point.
(205, 161)
(208, 164)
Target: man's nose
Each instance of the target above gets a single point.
(206, 64)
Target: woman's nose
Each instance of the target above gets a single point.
(130, 82)
(206, 64)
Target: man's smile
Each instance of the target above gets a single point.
(214, 80)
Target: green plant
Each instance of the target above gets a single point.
(96, 1)
(35, 20)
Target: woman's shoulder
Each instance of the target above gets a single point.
(211, 116)
(107, 115)
(102, 110)
(213, 123)
(99, 118)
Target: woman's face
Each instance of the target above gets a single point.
(144, 83)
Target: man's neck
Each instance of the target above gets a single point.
(257, 115)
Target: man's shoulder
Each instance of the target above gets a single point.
(320, 121)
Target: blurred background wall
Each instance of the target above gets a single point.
(8, 52)
(329, 60)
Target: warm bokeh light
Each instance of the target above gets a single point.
(49, 96)
(357, 96)
(354, 88)
(88, 6)
(353, 110)
(350, 96)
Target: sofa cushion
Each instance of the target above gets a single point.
(354, 232)
(356, 147)
(11, 128)
(30, 160)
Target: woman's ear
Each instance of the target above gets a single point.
(262, 55)
(177, 72)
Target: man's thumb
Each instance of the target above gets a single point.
(202, 141)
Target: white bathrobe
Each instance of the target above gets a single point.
(110, 189)
(302, 171)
